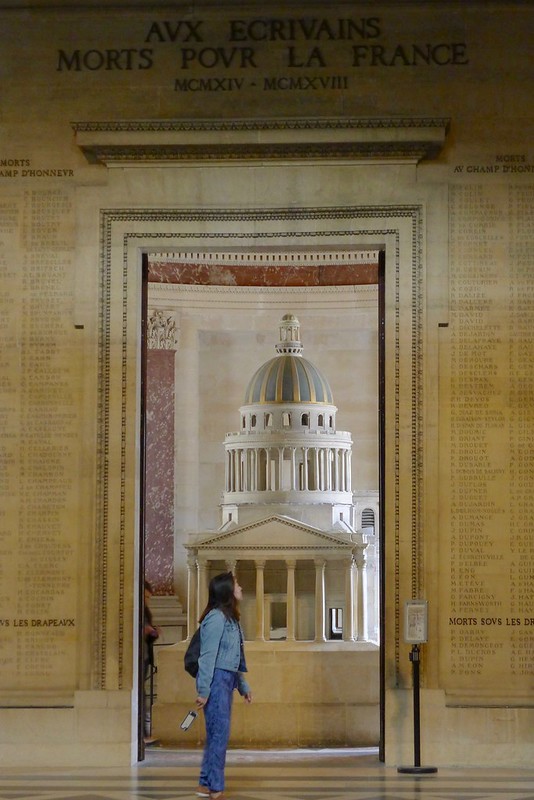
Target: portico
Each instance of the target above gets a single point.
(308, 546)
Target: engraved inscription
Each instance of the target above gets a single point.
(39, 450)
(491, 437)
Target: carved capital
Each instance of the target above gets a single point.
(162, 333)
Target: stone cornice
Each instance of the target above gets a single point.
(382, 139)
(171, 296)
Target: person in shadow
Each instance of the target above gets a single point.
(150, 634)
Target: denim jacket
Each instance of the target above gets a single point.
(220, 648)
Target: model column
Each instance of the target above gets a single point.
(230, 471)
(202, 592)
(348, 622)
(319, 600)
(192, 609)
(254, 470)
(291, 601)
(260, 601)
(359, 557)
(231, 566)
(336, 486)
(305, 469)
(348, 478)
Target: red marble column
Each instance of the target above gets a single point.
(159, 495)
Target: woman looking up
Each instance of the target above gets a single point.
(221, 665)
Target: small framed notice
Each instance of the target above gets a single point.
(415, 621)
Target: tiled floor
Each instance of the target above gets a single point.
(294, 775)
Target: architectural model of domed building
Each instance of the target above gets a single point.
(288, 457)
(288, 518)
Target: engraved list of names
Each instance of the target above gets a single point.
(39, 456)
(490, 617)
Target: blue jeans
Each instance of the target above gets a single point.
(217, 716)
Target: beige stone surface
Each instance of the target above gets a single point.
(98, 723)
(72, 234)
(458, 735)
(304, 694)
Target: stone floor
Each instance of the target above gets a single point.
(268, 775)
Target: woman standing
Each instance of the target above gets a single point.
(220, 667)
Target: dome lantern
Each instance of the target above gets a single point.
(289, 336)
(288, 377)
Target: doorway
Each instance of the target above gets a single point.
(307, 277)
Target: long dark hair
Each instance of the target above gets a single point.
(221, 596)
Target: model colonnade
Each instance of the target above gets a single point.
(354, 568)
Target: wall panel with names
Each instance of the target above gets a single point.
(39, 408)
(487, 601)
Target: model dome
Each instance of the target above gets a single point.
(288, 377)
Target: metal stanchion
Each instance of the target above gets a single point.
(415, 633)
(416, 769)
(148, 703)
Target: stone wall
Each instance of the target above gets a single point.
(305, 695)
(406, 130)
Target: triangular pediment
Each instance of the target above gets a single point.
(275, 532)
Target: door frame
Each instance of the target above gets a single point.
(128, 233)
(380, 457)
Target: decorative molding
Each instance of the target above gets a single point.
(376, 139)
(269, 257)
(100, 609)
(333, 547)
(164, 295)
(258, 124)
(385, 222)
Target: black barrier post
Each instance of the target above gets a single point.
(417, 769)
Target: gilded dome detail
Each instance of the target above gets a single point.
(288, 377)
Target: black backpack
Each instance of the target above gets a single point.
(192, 654)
